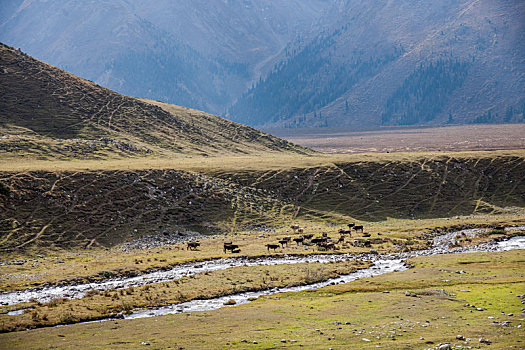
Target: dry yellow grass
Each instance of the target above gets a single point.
(233, 163)
(97, 305)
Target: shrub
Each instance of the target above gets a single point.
(4, 189)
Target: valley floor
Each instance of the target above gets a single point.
(430, 304)
(481, 137)
(455, 298)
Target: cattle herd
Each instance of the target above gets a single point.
(322, 242)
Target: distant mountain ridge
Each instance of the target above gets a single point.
(398, 63)
(54, 114)
(299, 63)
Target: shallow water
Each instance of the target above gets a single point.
(46, 294)
(385, 264)
(380, 267)
(382, 264)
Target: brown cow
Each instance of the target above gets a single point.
(308, 236)
(341, 239)
(318, 240)
(326, 245)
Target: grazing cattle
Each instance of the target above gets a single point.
(358, 228)
(308, 236)
(318, 240)
(299, 240)
(283, 242)
(230, 246)
(341, 239)
(272, 246)
(193, 245)
(288, 238)
(344, 232)
(351, 225)
(300, 231)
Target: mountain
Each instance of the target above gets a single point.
(49, 113)
(298, 63)
(197, 53)
(398, 63)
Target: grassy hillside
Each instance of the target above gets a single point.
(75, 206)
(48, 113)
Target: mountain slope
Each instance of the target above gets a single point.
(89, 207)
(401, 62)
(45, 107)
(196, 53)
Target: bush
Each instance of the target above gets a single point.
(4, 189)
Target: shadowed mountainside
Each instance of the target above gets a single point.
(398, 63)
(54, 114)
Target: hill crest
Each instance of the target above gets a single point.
(47, 112)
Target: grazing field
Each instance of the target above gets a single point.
(481, 302)
(51, 114)
(71, 222)
(405, 139)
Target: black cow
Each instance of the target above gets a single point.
(299, 240)
(359, 228)
(272, 246)
(193, 245)
(230, 246)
